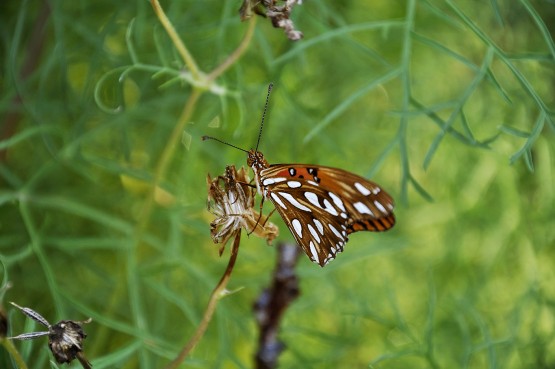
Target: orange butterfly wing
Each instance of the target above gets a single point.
(323, 205)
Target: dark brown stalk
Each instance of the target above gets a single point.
(272, 304)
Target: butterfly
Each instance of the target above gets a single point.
(320, 205)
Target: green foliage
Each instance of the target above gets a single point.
(448, 104)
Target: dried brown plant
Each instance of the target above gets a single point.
(231, 200)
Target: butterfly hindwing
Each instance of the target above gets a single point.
(320, 233)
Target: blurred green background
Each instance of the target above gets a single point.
(448, 104)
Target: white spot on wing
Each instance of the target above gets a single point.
(335, 232)
(294, 184)
(337, 201)
(278, 200)
(380, 206)
(297, 227)
(294, 201)
(312, 198)
(312, 183)
(319, 226)
(363, 190)
(313, 233)
(329, 208)
(363, 209)
(271, 181)
(313, 251)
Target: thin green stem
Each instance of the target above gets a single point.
(36, 245)
(236, 54)
(526, 85)
(541, 26)
(166, 158)
(211, 307)
(346, 103)
(12, 350)
(405, 80)
(458, 109)
(181, 48)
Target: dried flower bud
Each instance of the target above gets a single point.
(278, 14)
(65, 338)
(231, 200)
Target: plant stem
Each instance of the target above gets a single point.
(211, 307)
(9, 346)
(166, 156)
(181, 48)
(237, 53)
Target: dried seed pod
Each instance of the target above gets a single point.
(65, 338)
(280, 15)
(231, 200)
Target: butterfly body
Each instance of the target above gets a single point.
(322, 205)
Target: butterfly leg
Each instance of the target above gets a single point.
(268, 218)
(259, 217)
(247, 184)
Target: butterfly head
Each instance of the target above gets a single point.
(256, 160)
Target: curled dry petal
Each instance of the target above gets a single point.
(231, 200)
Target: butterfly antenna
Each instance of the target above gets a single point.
(264, 115)
(205, 138)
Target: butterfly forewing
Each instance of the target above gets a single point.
(323, 205)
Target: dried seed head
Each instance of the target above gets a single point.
(231, 200)
(65, 338)
(280, 15)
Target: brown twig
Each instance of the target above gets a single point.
(272, 304)
(211, 307)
